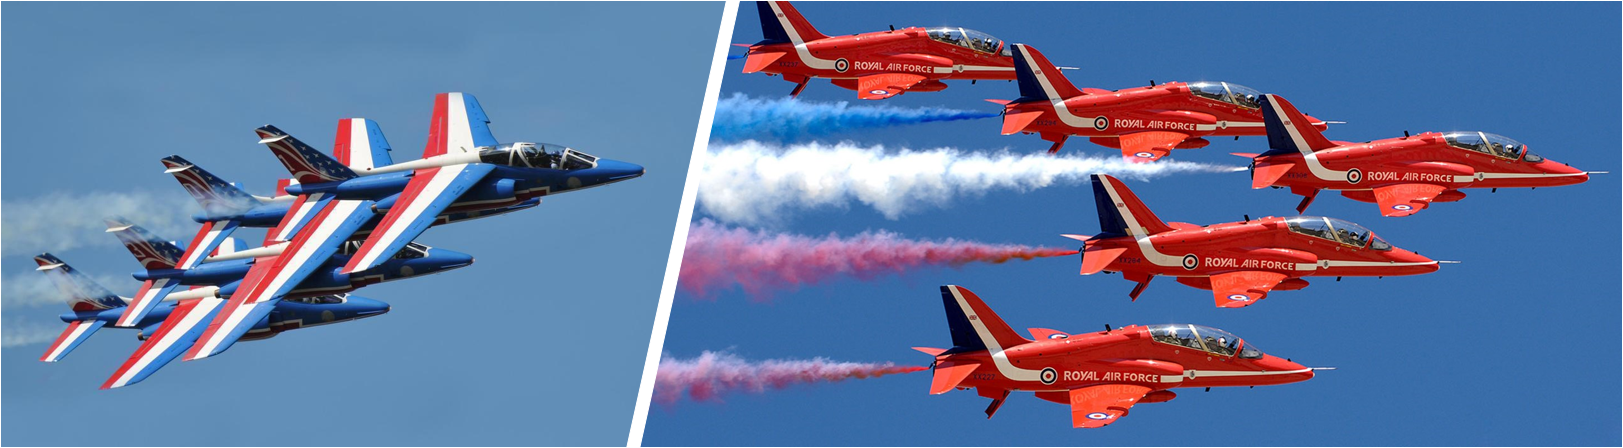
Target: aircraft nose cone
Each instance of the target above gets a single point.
(615, 170)
(1413, 263)
(1567, 175)
(365, 307)
(1293, 372)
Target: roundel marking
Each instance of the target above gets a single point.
(878, 91)
(1098, 416)
(1048, 375)
(328, 316)
(573, 182)
(1144, 155)
(1101, 123)
(1239, 298)
(841, 65)
(1355, 176)
(1058, 336)
(1403, 207)
(1191, 262)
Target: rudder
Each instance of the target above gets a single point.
(780, 22)
(1121, 212)
(974, 326)
(1039, 80)
(1288, 130)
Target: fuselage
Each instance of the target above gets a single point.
(328, 278)
(1451, 160)
(1195, 109)
(916, 51)
(288, 315)
(1297, 247)
(1160, 360)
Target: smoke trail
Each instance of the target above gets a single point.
(36, 290)
(761, 263)
(18, 332)
(752, 182)
(739, 117)
(63, 221)
(711, 374)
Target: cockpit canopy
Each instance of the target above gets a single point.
(411, 251)
(1490, 144)
(971, 39)
(1228, 92)
(1204, 338)
(1337, 230)
(536, 155)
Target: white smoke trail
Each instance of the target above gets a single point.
(18, 332)
(752, 182)
(36, 290)
(58, 222)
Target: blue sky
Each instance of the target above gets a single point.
(1516, 346)
(540, 342)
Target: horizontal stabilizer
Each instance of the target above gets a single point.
(949, 373)
(1266, 175)
(932, 351)
(1095, 260)
(1018, 121)
(760, 61)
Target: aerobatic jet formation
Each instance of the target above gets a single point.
(877, 65)
(1240, 262)
(1402, 175)
(1145, 123)
(1101, 375)
(338, 224)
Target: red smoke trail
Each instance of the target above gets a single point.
(711, 374)
(760, 262)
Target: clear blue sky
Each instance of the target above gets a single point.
(1516, 346)
(541, 342)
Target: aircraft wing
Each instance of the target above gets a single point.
(1242, 288)
(177, 333)
(272, 277)
(1149, 146)
(1405, 199)
(1097, 406)
(153, 291)
(77, 332)
(885, 85)
(430, 191)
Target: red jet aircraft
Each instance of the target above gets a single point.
(1403, 175)
(1238, 261)
(1145, 123)
(1101, 375)
(877, 65)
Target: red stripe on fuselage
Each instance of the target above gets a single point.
(414, 188)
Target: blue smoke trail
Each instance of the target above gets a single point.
(740, 117)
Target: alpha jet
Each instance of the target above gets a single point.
(1240, 262)
(1101, 375)
(1402, 175)
(877, 65)
(462, 166)
(94, 307)
(1145, 123)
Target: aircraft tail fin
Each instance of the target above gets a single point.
(82, 293)
(974, 326)
(149, 250)
(780, 22)
(1288, 130)
(307, 165)
(360, 144)
(1039, 79)
(217, 196)
(1120, 211)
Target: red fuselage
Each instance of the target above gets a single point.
(906, 51)
(1105, 115)
(1268, 244)
(1356, 169)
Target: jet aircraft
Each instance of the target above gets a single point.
(462, 165)
(1240, 262)
(1145, 123)
(94, 307)
(877, 65)
(1402, 175)
(1101, 375)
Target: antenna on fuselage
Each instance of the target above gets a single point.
(1405, 133)
(1107, 327)
(893, 28)
(1152, 83)
(1247, 218)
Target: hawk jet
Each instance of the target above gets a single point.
(1402, 175)
(1101, 375)
(877, 65)
(1240, 262)
(1145, 123)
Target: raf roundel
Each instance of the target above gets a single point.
(841, 65)
(1098, 416)
(1144, 155)
(878, 91)
(1191, 262)
(1048, 375)
(1101, 123)
(1402, 207)
(1355, 176)
(1058, 336)
(1239, 297)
